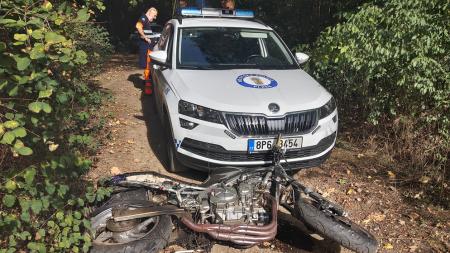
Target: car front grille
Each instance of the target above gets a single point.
(258, 125)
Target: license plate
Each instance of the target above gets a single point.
(258, 145)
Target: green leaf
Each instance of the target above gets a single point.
(14, 91)
(22, 63)
(46, 107)
(8, 138)
(37, 34)
(4, 21)
(3, 84)
(36, 206)
(37, 51)
(9, 200)
(54, 38)
(45, 93)
(20, 132)
(11, 124)
(24, 235)
(2, 46)
(80, 57)
(20, 37)
(47, 5)
(2, 130)
(83, 15)
(59, 215)
(25, 204)
(10, 185)
(62, 98)
(29, 176)
(25, 216)
(25, 151)
(35, 107)
(49, 187)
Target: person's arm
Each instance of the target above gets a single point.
(140, 29)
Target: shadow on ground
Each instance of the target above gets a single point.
(156, 136)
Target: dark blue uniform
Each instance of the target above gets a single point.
(144, 46)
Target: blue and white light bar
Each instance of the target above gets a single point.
(212, 12)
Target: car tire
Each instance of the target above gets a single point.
(172, 164)
(153, 241)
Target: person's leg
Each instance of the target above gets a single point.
(143, 47)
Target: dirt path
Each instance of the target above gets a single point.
(353, 178)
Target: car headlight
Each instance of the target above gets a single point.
(199, 112)
(327, 109)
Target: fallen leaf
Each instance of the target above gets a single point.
(350, 191)
(424, 179)
(413, 216)
(52, 147)
(418, 195)
(391, 175)
(115, 171)
(388, 246)
(37, 237)
(374, 217)
(413, 248)
(130, 142)
(360, 155)
(328, 192)
(342, 181)
(401, 222)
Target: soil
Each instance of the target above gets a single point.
(356, 178)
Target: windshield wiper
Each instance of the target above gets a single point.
(277, 67)
(196, 67)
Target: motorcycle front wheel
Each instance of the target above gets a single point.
(139, 235)
(335, 227)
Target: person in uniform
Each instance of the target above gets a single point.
(144, 29)
(227, 4)
(183, 3)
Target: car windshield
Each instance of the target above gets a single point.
(231, 48)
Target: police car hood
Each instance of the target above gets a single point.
(251, 90)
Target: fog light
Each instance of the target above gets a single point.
(187, 124)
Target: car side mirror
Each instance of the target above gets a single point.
(159, 58)
(301, 57)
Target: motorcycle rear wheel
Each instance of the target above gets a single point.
(337, 228)
(153, 238)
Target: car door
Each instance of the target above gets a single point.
(159, 73)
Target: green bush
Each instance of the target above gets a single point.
(389, 62)
(43, 93)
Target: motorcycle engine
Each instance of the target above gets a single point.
(236, 204)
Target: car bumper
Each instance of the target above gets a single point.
(208, 147)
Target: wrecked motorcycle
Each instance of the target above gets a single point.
(238, 206)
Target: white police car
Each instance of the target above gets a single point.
(226, 85)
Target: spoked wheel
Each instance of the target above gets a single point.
(139, 235)
(335, 227)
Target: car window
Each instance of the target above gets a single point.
(162, 43)
(224, 48)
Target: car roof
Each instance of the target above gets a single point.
(222, 22)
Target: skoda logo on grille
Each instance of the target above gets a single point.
(274, 108)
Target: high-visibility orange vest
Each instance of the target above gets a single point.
(147, 76)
